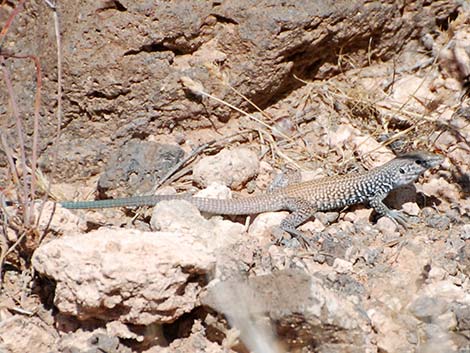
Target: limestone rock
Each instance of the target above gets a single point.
(131, 276)
(233, 168)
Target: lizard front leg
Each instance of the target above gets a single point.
(397, 216)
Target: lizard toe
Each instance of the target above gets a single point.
(398, 217)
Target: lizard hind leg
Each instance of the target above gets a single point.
(301, 210)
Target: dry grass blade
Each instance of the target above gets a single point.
(37, 106)
(199, 90)
(55, 151)
(25, 194)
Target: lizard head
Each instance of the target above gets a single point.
(408, 167)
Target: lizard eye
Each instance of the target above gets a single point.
(418, 161)
(401, 170)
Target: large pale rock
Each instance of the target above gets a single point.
(126, 275)
(58, 219)
(233, 168)
(179, 216)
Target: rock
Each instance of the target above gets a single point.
(101, 274)
(342, 266)
(362, 214)
(136, 167)
(346, 135)
(215, 190)
(462, 313)
(448, 291)
(196, 342)
(327, 217)
(437, 273)
(411, 208)
(179, 216)
(370, 255)
(447, 321)
(440, 188)
(233, 168)
(390, 334)
(303, 310)
(446, 139)
(258, 52)
(335, 245)
(20, 334)
(400, 196)
(315, 226)
(465, 232)
(342, 135)
(263, 224)
(441, 222)
(63, 221)
(277, 54)
(387, 226)
(95, 341)
(11, 235)
(413, 85)
(436, 339)
(427, 309)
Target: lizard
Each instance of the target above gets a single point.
(305, 198)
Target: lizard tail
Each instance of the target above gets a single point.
(135, 201)
(242, 206)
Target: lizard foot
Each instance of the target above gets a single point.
(398, 217)
(290, 237)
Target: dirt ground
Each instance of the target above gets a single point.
(222, 99)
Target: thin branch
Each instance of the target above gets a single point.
(20, 132)
(37, 107)
(196, 89)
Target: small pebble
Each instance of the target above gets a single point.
(447, 321)
(426, 308)
(386, 226)
(439, 222)
(319, 258)
(437, 274)
(327, 217)
(411, 208)
(342, 266)
(332, 276)
(465, 233)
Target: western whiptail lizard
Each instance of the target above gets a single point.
(306, 198)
